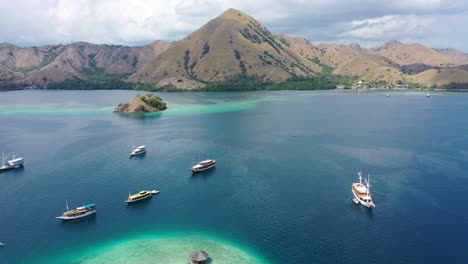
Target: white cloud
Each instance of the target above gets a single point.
(389, 27)
(37, 22)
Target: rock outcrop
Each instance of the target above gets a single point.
(142, 104)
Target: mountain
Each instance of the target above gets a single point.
(231, 49)
(57, 63)
(233, 45)
(335, 54)
(414, 58)
(456, 56)
(371, 68)
(442, 77)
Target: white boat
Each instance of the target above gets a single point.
(428, 95)
(138, 151)
(11, 164)
(361, 192)
(2, 243)
(204, 165)
(388, 95)
(78, 212)
(140, 196)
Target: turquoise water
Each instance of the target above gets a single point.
(280, 192)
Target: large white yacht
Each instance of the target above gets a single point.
(204, 165)
(11, 164)
(361, 192)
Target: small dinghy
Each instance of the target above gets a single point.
(355, 201)
(2, 243)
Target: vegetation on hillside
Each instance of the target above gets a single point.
(99, 80)
(154, 101)
(320, 82)
(142, 104)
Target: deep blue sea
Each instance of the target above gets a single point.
(281, 189)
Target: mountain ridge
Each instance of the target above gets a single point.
(232, 46)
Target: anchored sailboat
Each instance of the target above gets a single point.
(78, 212)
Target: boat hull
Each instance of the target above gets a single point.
(195, 170)
(65, 218)
(10, 167)
(366, 204)
(137, 153)
(143, 198)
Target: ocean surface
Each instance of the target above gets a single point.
(281, 191)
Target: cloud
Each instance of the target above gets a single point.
(389, 27)
(37, 22)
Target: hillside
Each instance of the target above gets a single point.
(371, 68)
(360, 65)
(441, 77)
(56, 63)
(232, 52)
(456, 56)
(414, 58)
(335, 54)
(142, 104)
(233, 45)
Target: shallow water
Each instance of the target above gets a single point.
(279, 194)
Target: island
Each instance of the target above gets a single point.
(148, 103)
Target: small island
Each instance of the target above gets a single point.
(148, 103)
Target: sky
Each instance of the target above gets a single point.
(436, 23)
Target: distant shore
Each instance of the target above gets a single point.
(239, 90)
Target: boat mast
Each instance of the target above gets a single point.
(360, 176)
(66, 201)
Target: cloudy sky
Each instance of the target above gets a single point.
(437, 23)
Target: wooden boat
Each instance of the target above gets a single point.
(140, 196)
(78, 212)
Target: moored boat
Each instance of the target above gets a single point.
(11, 164)
(361, 192)
(204, 165)
(138, 151)
(78, 212)
(140, 196)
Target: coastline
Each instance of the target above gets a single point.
(187, 90)
(171, 246)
